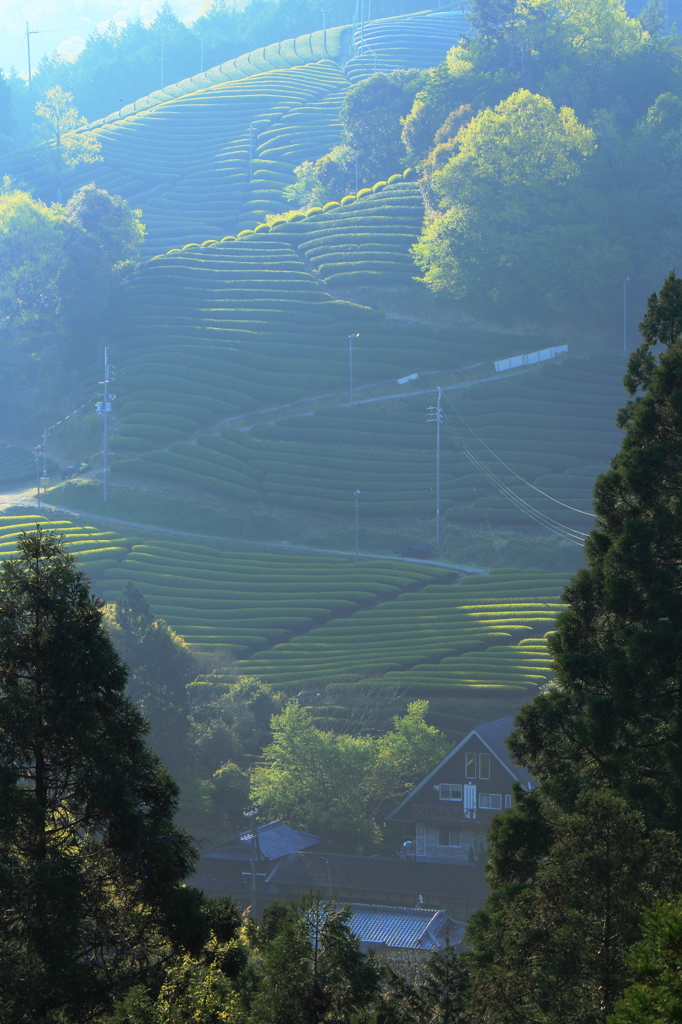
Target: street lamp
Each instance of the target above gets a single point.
(350, 362)
(435, 416)
(357, 514)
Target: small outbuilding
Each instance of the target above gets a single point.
(401, 930)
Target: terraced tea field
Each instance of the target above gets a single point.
(96, 550)
(474, 645)
(16, 466)
(211, 333)
(484, 637)
(212, 155)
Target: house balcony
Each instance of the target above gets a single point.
(449, 814)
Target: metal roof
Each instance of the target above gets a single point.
(274, 840)
(404, 927)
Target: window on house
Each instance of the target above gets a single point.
(507, 801)
(490, 801)
(469, 766)
(449, 837)
(484, 766)
(448, 791)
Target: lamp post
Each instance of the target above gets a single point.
(357, 523)
(435, 416)
(625, 312)
(350, 362)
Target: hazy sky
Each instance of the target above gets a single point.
(64, 25)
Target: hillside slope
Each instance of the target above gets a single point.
(207, 339)
(211, 155)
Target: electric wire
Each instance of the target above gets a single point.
(567, 533)
(524, 506)
(513, 472)
(546, 522)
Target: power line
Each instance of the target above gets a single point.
(567, 533)
(551, 524)
(513, 472)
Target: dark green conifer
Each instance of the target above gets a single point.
(91, 865)
(614, 717)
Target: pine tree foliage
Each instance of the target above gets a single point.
(91, 865)
(614, 718)
(161, 666)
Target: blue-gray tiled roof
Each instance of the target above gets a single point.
(274, 840)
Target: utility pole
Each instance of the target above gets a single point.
(252, 813)
(356, 172)
(435, 416)
(201, 69)
(103, 409)
(625, 312)
(162, 69)
(38, 475)
(350, 362)
(324, 31)
(30, 93)
(357, 525)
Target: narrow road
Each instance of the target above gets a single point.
(278, 545)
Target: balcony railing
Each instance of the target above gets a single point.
(447, 813)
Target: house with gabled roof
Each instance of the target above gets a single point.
(453, 806)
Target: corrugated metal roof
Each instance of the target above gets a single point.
(274, 840)
(404, 928)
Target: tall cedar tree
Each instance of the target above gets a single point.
(614, 718)
(573, 865)
(91, 866)
(160, 667)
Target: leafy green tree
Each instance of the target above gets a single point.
(515, 227)
(314, 779)
(403, 754)
(491, 18)
(230, 721)
(371, 117)
(372, 146)
(92, 867)
(337, 785)
(108, 220)
(656, 961)
(6, 118)
(59, 268)
(68, 148)
(161, 667)
(614, 717)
